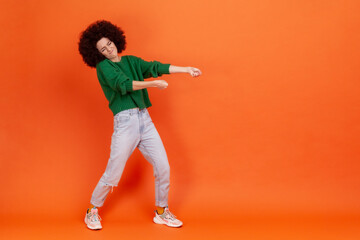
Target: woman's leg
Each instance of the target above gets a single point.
(123, 142)
(154, 152)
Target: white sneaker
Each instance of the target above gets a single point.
(167, 218)
(92, 219)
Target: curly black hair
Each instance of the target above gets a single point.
(92, 34)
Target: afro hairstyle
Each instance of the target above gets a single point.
(92, 34)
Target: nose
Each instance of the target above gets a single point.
(108, 49)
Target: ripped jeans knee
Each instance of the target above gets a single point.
(101, 191)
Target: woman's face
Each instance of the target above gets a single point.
(107, 48)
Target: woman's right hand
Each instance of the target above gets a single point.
(161, 84)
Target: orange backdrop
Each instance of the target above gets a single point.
(272, 125)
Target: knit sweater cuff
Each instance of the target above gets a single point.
(164, 69)
(129, 86)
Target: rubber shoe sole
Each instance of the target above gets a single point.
(158, 221)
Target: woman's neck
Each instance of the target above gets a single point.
(116, 59)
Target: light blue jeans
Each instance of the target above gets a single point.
(134, 128)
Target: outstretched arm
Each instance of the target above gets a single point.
(161, 84)
(191, 70)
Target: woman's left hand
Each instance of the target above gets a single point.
(194, 71)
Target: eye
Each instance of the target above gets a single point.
(109, 43)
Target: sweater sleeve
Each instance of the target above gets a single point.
(153, 68)
(114, 78)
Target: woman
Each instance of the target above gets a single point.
(122, 81)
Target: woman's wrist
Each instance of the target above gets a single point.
(190, 70)
(137, 85)
(176, 69)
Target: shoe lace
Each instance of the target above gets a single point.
(170, 215)
(95, 217)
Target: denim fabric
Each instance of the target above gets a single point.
(134, 128)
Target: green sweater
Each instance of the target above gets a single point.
(116, 81)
